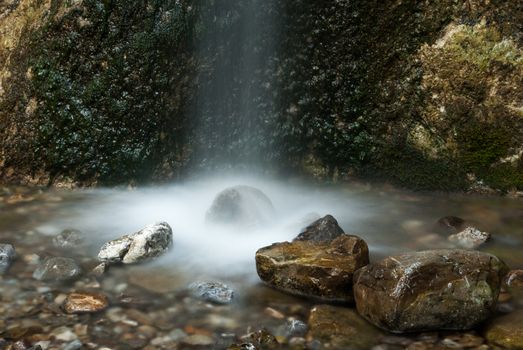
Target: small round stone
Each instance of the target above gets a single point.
(85, 303)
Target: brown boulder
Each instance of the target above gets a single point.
(429, 290)
(321, 270)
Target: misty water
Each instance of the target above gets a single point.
(391, 221)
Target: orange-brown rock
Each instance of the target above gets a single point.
(85, 303)
(322, 270)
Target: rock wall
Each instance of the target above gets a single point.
(94, 91)
(422, 94)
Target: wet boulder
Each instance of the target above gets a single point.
(150, 242)
(7, 255)
(323, 229)
(57, 269)
(242, 206)
(470, 238)
(437, 289)
(322, 270)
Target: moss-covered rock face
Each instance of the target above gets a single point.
(95, 90)
(423, 94)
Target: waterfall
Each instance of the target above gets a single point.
(234, 103)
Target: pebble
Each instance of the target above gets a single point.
(7, 255)
(74, 345)
(64, 334)
(85, 303)
(296, 328)
(68, 238)
(214, 292)
(57, 269)
(269, 311)
(198, 340)
(100, 269)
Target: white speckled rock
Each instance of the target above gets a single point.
(7, 255)
(470, 238)
(151, 241)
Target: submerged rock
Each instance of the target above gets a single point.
(7, 255)
(68, 238)
(214, 292)
(295, 328)
(506, 332)
(323, 229)
(152, 241)
(85, 303)
(261, 339)
(341, 328)
(57, 269)
(321, 270)
(242, 206)
(450, 224)
(429, 290)
(470, 238)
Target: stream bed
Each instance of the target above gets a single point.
(150, 306)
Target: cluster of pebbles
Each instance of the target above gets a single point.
(55, 296)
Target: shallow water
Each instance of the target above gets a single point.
(391, 221)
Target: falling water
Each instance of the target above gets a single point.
(233, 108)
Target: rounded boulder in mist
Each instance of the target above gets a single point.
(150, 242)
(241, 206)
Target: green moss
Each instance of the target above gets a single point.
(482, 144)
(412, 168)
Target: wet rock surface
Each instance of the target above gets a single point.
(7, 255)
(341, 328)
(214, 292)
(321, 270)
(323, 229)
(506, 332)
(429, 290)
(84, 302)
(470, 238)
(150, 242)
(57, 269)
(242, 206)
